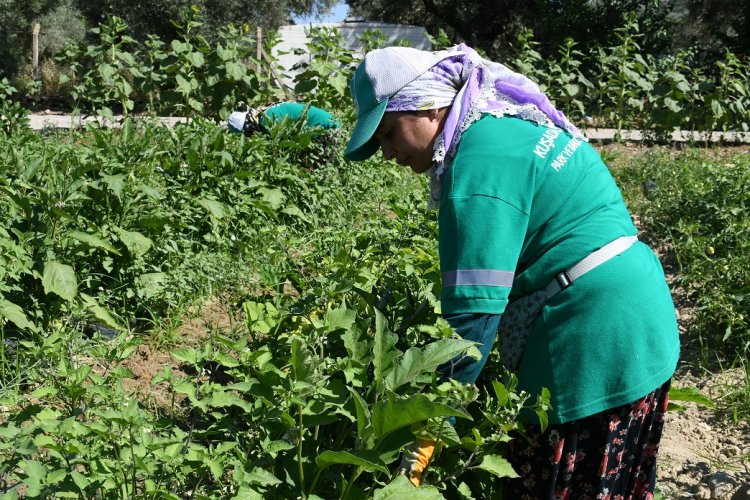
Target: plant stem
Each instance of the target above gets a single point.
(299, 456)
(314, 482)
(349, 484)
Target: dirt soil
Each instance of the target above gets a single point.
(703, 455)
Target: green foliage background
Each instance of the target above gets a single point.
(328, 270)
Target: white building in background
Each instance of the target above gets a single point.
(294, 36)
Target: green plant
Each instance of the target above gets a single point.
(440, 41)
(566, 84)
(103, 73)
(623, 79)
(699, 208)
(325, 77)
(730, 103)
(529, 61)
(13, 117)
(185, 63)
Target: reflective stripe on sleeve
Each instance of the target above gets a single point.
(478, 277)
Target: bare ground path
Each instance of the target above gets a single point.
(704, 455)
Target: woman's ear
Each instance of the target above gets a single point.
(437, 114)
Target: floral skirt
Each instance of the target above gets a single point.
(610, 455)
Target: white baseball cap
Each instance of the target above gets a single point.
(380, 75)
(236, 121)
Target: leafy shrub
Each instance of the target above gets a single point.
(13, 116)
(699, 207)
(330, 371)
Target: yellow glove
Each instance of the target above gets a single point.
(415, 460)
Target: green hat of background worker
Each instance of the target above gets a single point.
(381, 74)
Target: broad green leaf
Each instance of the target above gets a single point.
(44, 441)
(136, 243)
(222, 399)
(107, 71)
(340, 319)
(273, 448)
(543, 403)
(384, 349)
(300, 366)
(401, 488)
(571, 89)
(81, 481)
(193, 158)
(215, 467)
(226, 360)
(368, 460)
(363, 412)
(183, 85)
(235, 70)
(672, 105)
(274, 197)
(690, 395)
(36, 473)
(225, 446)
(224, 53)
(501, 392)
(246, 493)
(48, 414)
(56, 476)
(44, 391)
(93, 241)
(186, 355)
(262, 477)
(195, 104)
(465, 491)
(295, 212)
(225, 157)
(417, 360)
(498, 466)
(195, 58)
(116, 183)
(149, 191)
(101, 313)
(717, 108)
(179, 46)
(13, 313)
(392, 414)
(305, 86)
(339, 82)
(216, 209)
(60, 279)
(356, 344)
(151, 284)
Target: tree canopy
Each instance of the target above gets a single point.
(16, 22)
(154, 16)
(494, 25)
(143, 18)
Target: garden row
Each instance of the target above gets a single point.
(328, 373)
(610, 87)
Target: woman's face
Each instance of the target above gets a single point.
(408, 137)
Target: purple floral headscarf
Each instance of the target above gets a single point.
(473, 86)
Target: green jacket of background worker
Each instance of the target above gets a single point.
(323, 127)
(249, 120)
